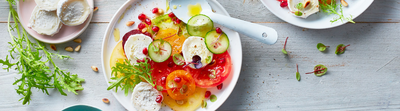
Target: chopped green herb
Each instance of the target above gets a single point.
(297, 73)
(213, 74)
(140, 71)
(340, 49)
(319, 70)
(321, 47)
(331, 8)
(208, 59)
(32, 58)
(284, 47)
(203, 104)
(213, 98)
(160, 88)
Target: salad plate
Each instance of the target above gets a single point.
(319, 20)
(65, 34)
(130, 11)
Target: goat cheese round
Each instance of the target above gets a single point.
(144, 97)
(134, 47)
(49, 5)
(73, 12)
(44, 22)
(194, 45)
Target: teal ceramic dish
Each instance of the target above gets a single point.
(81, 108)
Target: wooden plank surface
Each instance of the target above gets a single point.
(365, 77)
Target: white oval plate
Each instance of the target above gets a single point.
(319, 20)
(66, 33)
(130, 11)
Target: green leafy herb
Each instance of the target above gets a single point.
(178, 59)
(203, 104)
(319, 70)
(340, 49)
(31, 62)
(298, 13)
(160, 88)
(183, 89)
(297, 73)
(299, 6)
(321, 47)
(208, 59)
(140, 71)
(331, 8)
(213, 98)
(284, 47)
(213, 74)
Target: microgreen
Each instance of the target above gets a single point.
(319, 70)
(196, 61)
(32, 63)
(298, 13)
(208, 59)
(203, 104)
(299, 6)
(178, 59)
(331, 8)
(138, 71)
(183, 89)
(216, 43)
(297, 73)
(213, 74)
(213, 98)
(284, 47)
(340, 49)
(321, 47)
(160, 88)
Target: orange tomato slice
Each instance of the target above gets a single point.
(183, 89)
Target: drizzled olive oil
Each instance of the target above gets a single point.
(194, 9)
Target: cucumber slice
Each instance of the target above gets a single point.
(214, 46)
(199, 25)
(159, 50)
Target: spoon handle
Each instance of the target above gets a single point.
(261, 33)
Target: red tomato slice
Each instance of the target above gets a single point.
(222, 67)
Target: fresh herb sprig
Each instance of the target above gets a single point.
(284, 47)
(321, 47)
(31, 64)
(132, 75)
(319, 70)
(331, 8)
(298, 77)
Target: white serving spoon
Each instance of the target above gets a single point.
(261, 33)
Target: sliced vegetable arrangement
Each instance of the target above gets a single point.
(180, 61)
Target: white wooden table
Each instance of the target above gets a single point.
(267, 80)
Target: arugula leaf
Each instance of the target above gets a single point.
(331, 8)
(131, 75)
(32, 59)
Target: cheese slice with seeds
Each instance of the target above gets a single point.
(44, 22)
(73, 12)
(49, 5)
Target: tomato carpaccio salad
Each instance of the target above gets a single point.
(185, 60)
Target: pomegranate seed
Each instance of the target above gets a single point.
(145, 51)
(141, 26)
(177, 21)
(163, 80)
(171, 64)
(177, 79)
(221, 60)
(155, 29)
(174, 19)
(208, 94)
(219, 87)
(142, 16)
(284, 4)
(155, 10)
(171, 15)
(148, 21)
(218, 30)
(159, 99)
